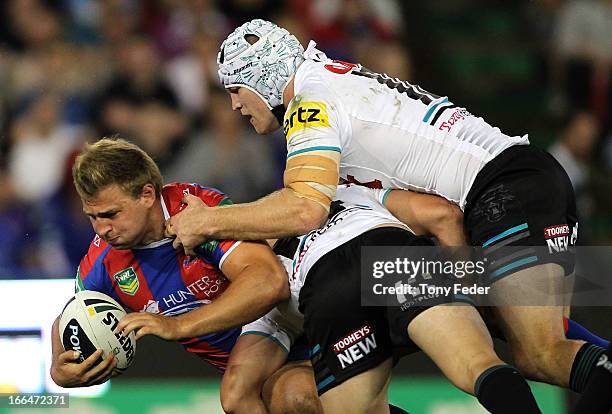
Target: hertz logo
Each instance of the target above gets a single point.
(306, 115)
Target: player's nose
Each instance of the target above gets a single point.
(235, 102)
(102, 228)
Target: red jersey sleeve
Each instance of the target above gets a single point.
(213, 251)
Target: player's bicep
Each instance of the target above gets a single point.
(314, 175)
(314, 128)
(248, 256)
(310, 117)
(307, 131)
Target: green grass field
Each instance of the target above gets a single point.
(427, 395)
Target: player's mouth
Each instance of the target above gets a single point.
(112, 240)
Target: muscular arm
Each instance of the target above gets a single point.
(428, 215)
(258, 283)
(310, 182)
(280, 214)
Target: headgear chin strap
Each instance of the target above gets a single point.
(265, 66)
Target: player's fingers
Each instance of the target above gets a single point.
(89, 362)
(177, 244)
(189, 198)
(126, 320)
(68, 356)
(131, 326)
(102, 367)
(104, 374)
(189, 251)
(99, 381)
(143, 331)
(135, 324)
(169, 229)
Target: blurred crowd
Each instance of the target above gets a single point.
(574, 45)
(73, 71)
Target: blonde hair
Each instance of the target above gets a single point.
(114, 161)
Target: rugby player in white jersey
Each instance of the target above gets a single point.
(353, 346)
(344, 121)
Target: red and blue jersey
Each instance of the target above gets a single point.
(158, 279)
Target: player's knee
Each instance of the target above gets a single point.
(294, 394)
(304, 402)
(237, 392)
(528, 362)
(536, 362)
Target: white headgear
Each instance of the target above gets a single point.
(266, 66)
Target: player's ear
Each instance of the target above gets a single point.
(148, 195)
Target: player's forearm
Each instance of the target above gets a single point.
(452, 235)
(245, 300)
(56, 343)
(428, 215)
(280, 214)
(445, 223)
(56, 349)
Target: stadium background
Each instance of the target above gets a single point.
(73, 71)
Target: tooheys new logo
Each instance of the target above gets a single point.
(355, 345)
(305, 115)
(558, 237)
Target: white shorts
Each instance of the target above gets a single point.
(284, 323)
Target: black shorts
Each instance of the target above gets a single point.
(521, 210)
(345, 337)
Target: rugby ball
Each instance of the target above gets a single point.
(88, 322)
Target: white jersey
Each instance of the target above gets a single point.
(390, 133)
(362, 210)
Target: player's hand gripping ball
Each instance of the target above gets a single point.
(88, 322)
